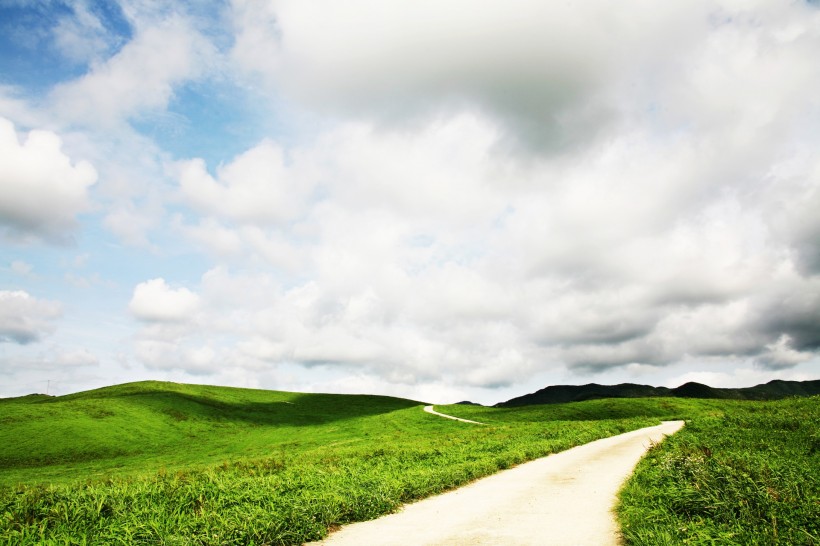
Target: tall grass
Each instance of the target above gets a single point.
(325, 461)
(750, 475)
(159, 463)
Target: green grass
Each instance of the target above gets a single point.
(149, 425)
(747, 475)
(160, 463)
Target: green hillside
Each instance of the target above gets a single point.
(163, 463)
(152, 462)
(151, 424)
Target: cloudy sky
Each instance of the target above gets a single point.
(442, 200)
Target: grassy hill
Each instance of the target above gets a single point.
(153, 424)
(163, 463)
(177, 464)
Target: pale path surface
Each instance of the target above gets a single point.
(429, 409)
(562, 499)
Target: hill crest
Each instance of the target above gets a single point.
(558, 394)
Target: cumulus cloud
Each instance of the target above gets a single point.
(429, 254)
(42, 190)
(174, 322)
(155, 301)
(25, 319)
(258, 187)
(537, 68)
(663, 215)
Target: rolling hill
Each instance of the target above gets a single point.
(558, 394)
(152, 424)
(167, 463)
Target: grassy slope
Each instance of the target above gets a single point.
(149, 425)
(749, 474)
(591, 410)
(151, 463)
(175, 464)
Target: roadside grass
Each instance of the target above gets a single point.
(748, 475)
(161, 463)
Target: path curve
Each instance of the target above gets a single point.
(562, 499)
(429, 409)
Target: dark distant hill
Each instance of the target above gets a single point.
(699, 390)
(557, 394)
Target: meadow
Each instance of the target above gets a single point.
(747, 474)
(163, 463)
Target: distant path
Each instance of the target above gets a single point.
(429, 409)
(562, 499)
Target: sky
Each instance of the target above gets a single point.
(441, 200)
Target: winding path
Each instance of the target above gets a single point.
(429, 409)
(562, 499)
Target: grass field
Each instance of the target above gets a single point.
(749, 474)
(162, 463)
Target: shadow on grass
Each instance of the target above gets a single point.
(269, 408)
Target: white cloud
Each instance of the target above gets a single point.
(213, 236)
(663, 217)
(542, 70)
(257, 187)
(155, 301)
(63, 366)
(41, 191)
(74, 358)
(24, 318)
(446, 172)
(780, 355)
(429, 253)
(81, 36)
(257, 35)
(139, 77)
(131, 224)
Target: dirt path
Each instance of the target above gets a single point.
(562, 499)
(429, 409)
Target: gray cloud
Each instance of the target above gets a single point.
(780, 355)
(793, 311)
(41, 191)
(546, 72)
(25, 319)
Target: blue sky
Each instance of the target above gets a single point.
(435, 200)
